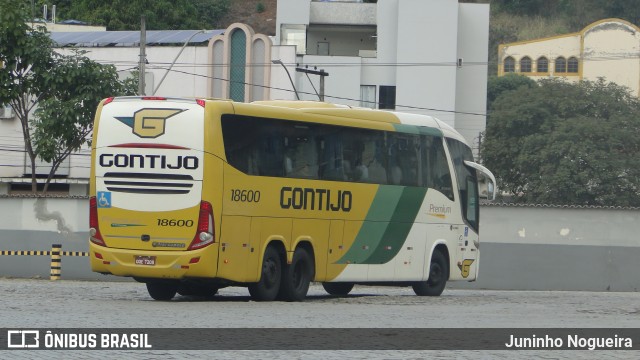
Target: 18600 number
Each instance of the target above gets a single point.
(175, 222)
(245, 195)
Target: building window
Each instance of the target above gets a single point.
(294, 35)
(525, 64)
(387, 97)
(368, 96)
(572, 65)
(238, 64)
(561, 65)
(542, 65)
(509, 64)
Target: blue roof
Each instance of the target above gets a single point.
(131, 38)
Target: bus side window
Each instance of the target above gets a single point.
(435, 168)
(300, 155)
(240, 143)
(330, 164)
(270, 159)
(404, 159)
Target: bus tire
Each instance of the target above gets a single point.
(197, 290)
(297, 276)
(438, 276)
(270, 277)
(337, 288)
(162, 290)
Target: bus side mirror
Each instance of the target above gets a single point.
(486, 189)
(486, 183)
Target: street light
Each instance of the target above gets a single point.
(278, 61)
(176, 59)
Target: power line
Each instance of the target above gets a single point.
(326, 96)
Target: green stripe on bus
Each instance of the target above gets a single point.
(401, 222)
(375, 225)
(384, 203)
(385, 229)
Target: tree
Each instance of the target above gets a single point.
(64, 119)
(499, 84)
(65, 90)
(159, 14)
(563, 143)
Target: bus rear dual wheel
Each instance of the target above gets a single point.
(280, 281)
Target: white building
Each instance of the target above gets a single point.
(426, 57)
(608, 48)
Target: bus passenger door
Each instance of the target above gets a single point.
(335, 250)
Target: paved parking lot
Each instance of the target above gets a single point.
(97, 304)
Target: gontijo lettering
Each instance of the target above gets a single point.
(315, 199)
(149, 161)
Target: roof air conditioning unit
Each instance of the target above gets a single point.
(6, 112)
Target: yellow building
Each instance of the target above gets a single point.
(608, 48)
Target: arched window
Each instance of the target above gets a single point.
(572, 65)
(238, 64)
(525, 64)
(509, 64)
(542, 65)
(561, 64)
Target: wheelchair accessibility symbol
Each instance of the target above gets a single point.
(104, 199)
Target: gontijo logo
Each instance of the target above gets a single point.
(149, 123)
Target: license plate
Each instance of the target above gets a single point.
(145, 260)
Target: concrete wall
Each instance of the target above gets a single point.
(522, 248)
(34, 224)
(547, 248)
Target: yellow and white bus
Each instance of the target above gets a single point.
(189, 196)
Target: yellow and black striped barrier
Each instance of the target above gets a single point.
(56, 254)
(56, 261)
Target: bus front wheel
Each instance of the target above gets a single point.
(162, 290)
(270, 278)
(337, 288)
(297, 276)
(438, 276)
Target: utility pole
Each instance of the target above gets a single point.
(143, 56)
(322, 75)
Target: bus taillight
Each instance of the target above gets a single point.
(94, 229)
(204, 234)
